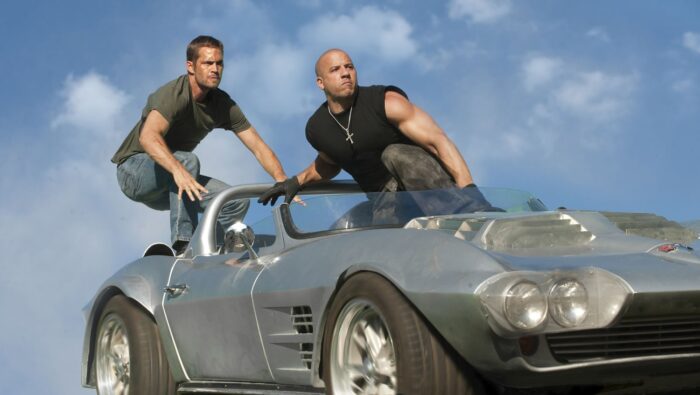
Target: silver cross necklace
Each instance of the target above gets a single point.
(345, 129)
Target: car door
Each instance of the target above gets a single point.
(209, 310)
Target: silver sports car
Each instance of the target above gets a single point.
(405, 293)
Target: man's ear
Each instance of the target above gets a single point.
(189, 65)
(319, 83)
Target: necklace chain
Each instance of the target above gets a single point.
(345, 129)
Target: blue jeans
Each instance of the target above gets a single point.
(144, 181)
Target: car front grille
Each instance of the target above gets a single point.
(629, 338)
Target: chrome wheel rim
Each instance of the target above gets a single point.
(113, 367)
(363, 359)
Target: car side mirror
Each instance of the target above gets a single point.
(239, 237)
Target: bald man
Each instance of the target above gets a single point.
(385, 142)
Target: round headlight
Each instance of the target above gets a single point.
(569, 303)
(525, 306)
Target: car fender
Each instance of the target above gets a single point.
(142, 281)
(322, 266)
(438, 276)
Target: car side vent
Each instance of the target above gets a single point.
(541, 232)
(302, 319)
(306, 350)
(652, 226)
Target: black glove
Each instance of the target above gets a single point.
(479, 202)
(289, 188)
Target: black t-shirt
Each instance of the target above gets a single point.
(371, 134)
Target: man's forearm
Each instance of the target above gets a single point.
(268, 160)
(308, 175)
(454, 163)
(152, 141)
(158, 150)
(319, 170)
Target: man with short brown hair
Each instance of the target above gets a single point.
(155, 163)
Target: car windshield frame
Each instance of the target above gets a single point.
(302, 221)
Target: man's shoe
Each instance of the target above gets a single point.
(180, 246)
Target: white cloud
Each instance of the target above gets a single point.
(276, 80)
(596, 95)
(540, 70)
(568, 90)
(224, 157)
(369, 30)
(570, 113)
(684, 85)
(512, 144)
(598, 33)
(90, 103)
(252, 27)
(71, 230)
(691, 41)
(480, 11)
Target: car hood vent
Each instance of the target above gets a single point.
(462, 228)
(652, 226)
(529, 234)
(551, 231)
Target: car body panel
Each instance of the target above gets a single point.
(261, 320)
(218, 294)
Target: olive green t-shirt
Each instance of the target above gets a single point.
(190, 121)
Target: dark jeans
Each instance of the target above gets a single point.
(414, 169)
(144, 181)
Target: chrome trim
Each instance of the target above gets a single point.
(628, 338)
(167, 323)
(203, 242)
(257, 324)
(176, 290)
(202, 387)
(612, 363)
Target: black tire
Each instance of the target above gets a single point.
(129, 357)
(423, 364)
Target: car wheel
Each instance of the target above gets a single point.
(129, 357)
(376, 343)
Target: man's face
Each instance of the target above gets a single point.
(336, 75)
(207, 68)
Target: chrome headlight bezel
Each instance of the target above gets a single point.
(605, 297)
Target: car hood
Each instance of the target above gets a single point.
(648, 251)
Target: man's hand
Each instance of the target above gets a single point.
(186, 183)
(289, 188)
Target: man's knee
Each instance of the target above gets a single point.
(189, 160)
(400, 154)
(415, 168)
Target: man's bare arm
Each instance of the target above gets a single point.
(151, 138)
(322, 168)
(262, 152)
(420, 128)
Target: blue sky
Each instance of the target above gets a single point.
(590, 105)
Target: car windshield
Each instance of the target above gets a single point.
(322, 213)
